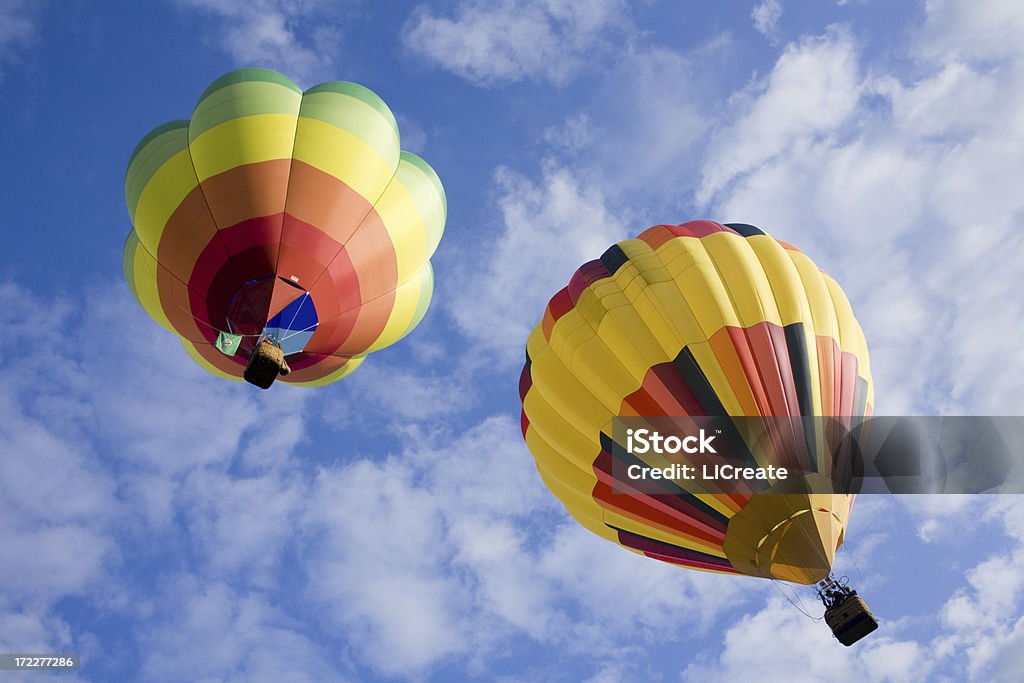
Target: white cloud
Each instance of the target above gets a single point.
(448, 551)
(18, 22)
(513, 40)
(971, 29)
(231, 637)
(766, 16)
(298, 38)
(783, 646)
(574, 134)
(812, 90)
(979, 636)
(904, 192)
(394, 395)
(111, 437)
(648, 125)
(548, 230)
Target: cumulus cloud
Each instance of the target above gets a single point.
(980, 629)
(119, 452)
(766, 16)
(18, 22)
(298, 38)
(811, 91)
(513, 40)
(503, 296)
(396, 395)
(903, 191)
(783, 646)
(231, 637)
(459, 548)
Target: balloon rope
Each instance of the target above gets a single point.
(798, 607)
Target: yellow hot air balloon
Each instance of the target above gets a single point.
(284, 220)
(699, 319)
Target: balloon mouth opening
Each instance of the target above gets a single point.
(274, 308)
(787, 536)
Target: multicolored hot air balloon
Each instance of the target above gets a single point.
(282, 219)
(699, 319)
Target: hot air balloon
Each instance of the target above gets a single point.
(282, 232)
(702, 319)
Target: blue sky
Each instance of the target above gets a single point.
(173, 527)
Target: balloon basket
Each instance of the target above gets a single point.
(265, 364)
(850, 620)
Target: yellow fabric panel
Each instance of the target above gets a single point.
(783, 278)
(348, 112)
(140, 170)
(146, 289)
(702, 289)
(193, 352)
(344, 156)
(793, 303)
(575, 474)
(660, 323)
(681, 253)
(628, 334)
(163, 193)
(819, 300)
(606, 374)
(245, 140)
(571, 485)
(570, 433)
(677, 313)
(425, 187)
(404, 222)
(750, 293)
(589, 359)
(850, 335)
(407, 303)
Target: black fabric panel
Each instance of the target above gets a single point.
(613, 258)
(698, 383)
(860, 396)
(745, 229)
(796, 343)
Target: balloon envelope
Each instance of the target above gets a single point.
(279, 213)
(693, 320)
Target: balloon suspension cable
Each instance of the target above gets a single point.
(800, 607)
(853, 558)
(832, 591)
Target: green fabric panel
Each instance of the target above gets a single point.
(357, 117)
(156, 132)
(243, 98)
(422, 183)
(249, 75)
(431, 175)
(359, 92)
(159, 145)
(426, 294)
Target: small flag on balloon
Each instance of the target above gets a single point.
(228, 343)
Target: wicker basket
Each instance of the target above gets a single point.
(850, 620)
(265, 363)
